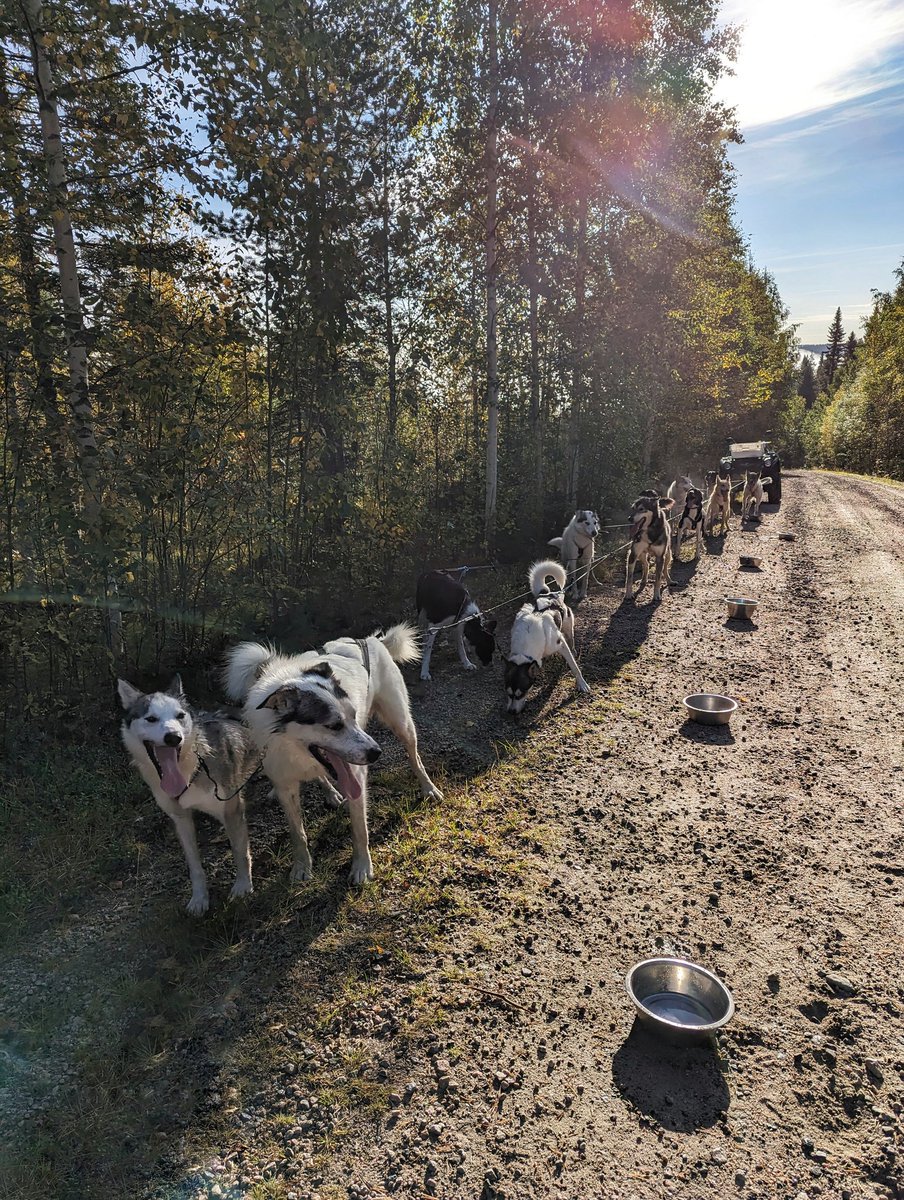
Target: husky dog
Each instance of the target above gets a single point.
(753, 495)
(168, 744)
(577, 546)
(308, 714)
(650, 538)
(678, 490)
(690, 522)
(541, 627)
(719, 505)
(446, 601)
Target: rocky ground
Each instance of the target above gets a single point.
(460, 1027)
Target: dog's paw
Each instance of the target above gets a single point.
(426, 678)
(198, 904)
(362, 870)
(241, 887)
(584, 688)
(469, 666)
(301, 871)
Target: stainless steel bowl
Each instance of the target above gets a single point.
(679, 1000)
(750, 560)
(710, 709)
(741, 606)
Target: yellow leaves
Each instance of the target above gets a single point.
(332, 89)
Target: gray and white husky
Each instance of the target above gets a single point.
(308, 714)
(577, 546)
(168, 742)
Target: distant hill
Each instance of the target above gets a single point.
(816, 349)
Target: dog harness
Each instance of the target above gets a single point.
(361, 643)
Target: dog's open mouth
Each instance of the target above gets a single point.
(338, 770)
(166, 763)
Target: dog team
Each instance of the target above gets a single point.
(304, 716)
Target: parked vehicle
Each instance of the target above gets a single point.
(752, 456)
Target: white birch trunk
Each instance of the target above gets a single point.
(492, 170)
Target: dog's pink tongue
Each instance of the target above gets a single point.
(347, 780)
(174, 782)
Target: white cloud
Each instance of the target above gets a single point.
(799, 56)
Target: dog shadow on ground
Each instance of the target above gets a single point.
(715, 545)
(682, 1088)
(687, 569)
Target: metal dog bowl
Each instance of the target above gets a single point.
(742, 607)
(679, 1000)
(710, 709)
(787, 537)
(749, 561)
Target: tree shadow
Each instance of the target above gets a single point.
(682, 1088)
(707, 735)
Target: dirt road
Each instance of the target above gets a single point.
(479, 1042)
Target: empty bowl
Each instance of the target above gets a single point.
(741, 606)
(710, 709)
(678, 1000)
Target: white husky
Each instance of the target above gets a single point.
(577, 545)
(308, 714)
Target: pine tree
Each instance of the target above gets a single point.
(835, 348)
(822, 376)
(806, 384)
(850, 348)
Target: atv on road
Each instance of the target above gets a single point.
(755, 456)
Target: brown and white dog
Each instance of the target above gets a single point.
(718, 506)
(651, 538)
(753, 495)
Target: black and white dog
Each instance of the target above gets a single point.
(577, 545)
(168, 743)
(690, 523)
(650, 538)
(541, 627)
(308, 713)
(446, 601)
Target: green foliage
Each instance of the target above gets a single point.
(281, 256)
(859, 425)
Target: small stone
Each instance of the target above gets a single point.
(840, 984)
(394, 1100)
(807, 1146)
(874, 1071)
(740, 1179)
(719, 1157)
(819, 1156)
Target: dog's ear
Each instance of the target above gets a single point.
(174, 688)
(323, 669)
(534, 672)
(666, 504)
(127, 693)
(282, 699)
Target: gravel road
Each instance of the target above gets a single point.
(491, 1049)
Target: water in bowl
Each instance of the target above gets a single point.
(674, 1006)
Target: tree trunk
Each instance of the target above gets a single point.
(79, 395)
(492, 170)
(391, 348)
(536, 425)
(577, 384)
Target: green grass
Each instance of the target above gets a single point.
(67, 824)
(889, 482)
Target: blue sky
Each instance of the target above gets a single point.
(819, 91)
